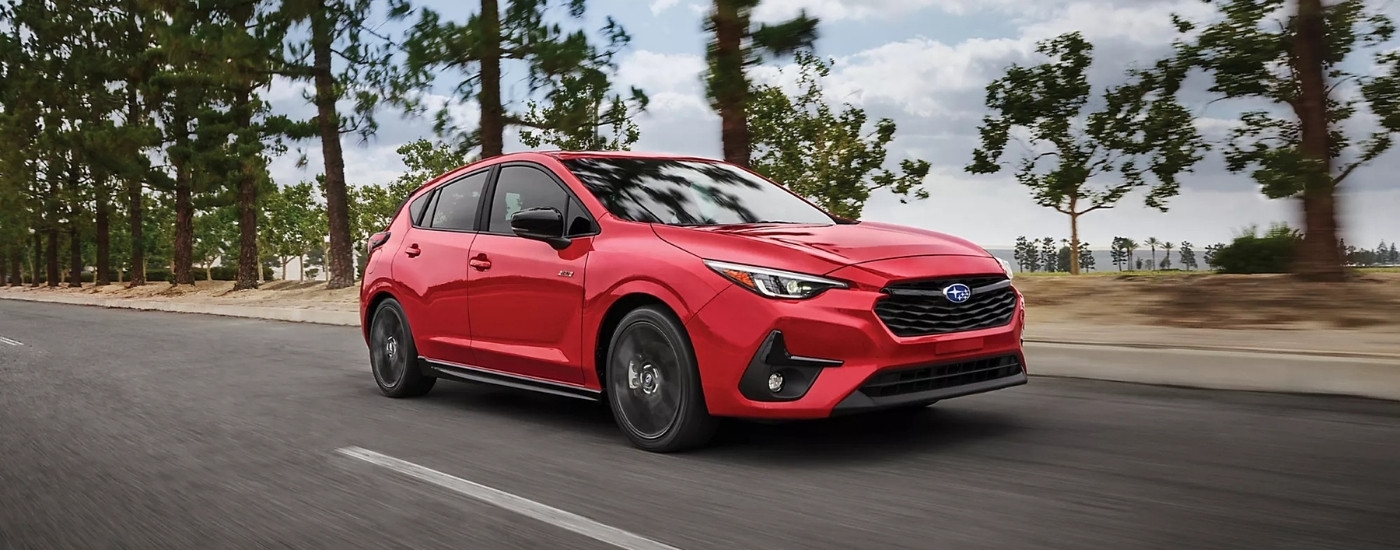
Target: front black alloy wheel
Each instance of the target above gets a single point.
(654, 385)
(393, 357)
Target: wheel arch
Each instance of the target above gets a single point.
(617, 310)
(375, 299)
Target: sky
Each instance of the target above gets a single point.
(924, 64)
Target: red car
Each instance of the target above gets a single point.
(679, 290)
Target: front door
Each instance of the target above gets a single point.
(526, 298)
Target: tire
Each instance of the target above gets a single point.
(654, 384)
(393, 356)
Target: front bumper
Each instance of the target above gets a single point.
(837, 357)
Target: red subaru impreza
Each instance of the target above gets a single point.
(679, 290)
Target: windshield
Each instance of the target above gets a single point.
(685, 192)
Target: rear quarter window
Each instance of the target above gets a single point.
(416, 208)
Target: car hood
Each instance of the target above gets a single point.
(814, 248)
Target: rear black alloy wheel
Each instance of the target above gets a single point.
(654, 385)
(393, 357)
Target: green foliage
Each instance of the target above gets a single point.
(1077, 162)
(826, 156)
(1250, 253)
(1249, 55)
(562, 68)
(1187, 255)
(215, 235)
(1133, 137)
(296, 223)
(426, 160)
(581, 110)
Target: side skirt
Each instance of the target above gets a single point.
(466, 373)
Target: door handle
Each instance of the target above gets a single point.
(480, 263)
(413, 250)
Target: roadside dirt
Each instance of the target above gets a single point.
(1371, 303)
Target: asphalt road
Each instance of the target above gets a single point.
(125, 429)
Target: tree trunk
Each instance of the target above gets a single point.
(51, 257)
(184, 218)
(1073, 235)
(104, 236)
(1317, 258)
(75, 255)
(493, 122)
(16, 258)
(729, 84)
(38, 261)
(340, 262)
(247, 205)
(75, 241)
(134, 198)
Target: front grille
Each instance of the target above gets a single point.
(921, 379)
(918, 308)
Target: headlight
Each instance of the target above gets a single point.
(1006, 266)
(774, 283)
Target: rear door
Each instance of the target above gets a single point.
(431, 268)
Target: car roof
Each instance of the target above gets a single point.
(566, 155)
(560, 155)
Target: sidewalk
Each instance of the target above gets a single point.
(1333, 343)
(332, 314)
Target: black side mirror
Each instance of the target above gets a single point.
(541, 224)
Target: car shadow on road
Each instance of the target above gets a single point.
(518, 406)
(867, 438)
(857, 438)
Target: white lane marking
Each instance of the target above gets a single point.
(4, 340)
(520, 505)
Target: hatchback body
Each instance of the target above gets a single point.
(678, 290)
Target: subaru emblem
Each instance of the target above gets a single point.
(957, 293)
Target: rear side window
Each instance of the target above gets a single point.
(457, 203)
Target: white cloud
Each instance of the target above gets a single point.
(838, 10)
(658, 6)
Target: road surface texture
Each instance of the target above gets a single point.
(126, 429)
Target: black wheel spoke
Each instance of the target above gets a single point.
(389, 360)
(646, 380)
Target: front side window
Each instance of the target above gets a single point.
(686, 192)
(522, 187)
(457, 203)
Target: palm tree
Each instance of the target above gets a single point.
(1131, 246)
(1153, 243)
(1167, 261)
